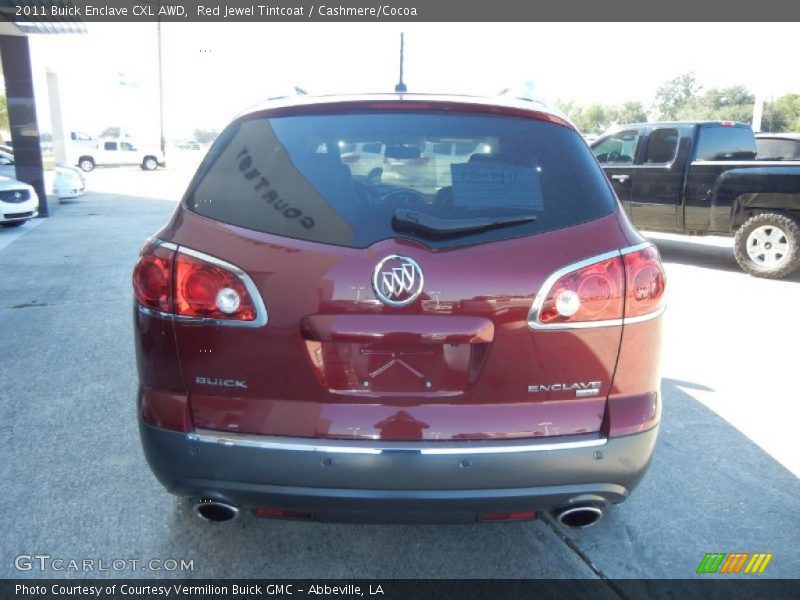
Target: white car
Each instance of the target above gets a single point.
(118, 153)
(423, 167)
(18, 202)
(68, 182)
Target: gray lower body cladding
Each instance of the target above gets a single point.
(397, 482)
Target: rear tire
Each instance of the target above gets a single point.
(13, 223)
(86, 163)
(768, 245)
(150, 163)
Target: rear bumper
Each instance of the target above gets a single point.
(397, 481)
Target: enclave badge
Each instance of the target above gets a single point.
(397, 280)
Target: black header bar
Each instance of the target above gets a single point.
(271, 11)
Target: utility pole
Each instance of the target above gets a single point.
(161, 86)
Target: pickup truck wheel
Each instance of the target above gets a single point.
(86, 163)
(149, 163)
(768, 245)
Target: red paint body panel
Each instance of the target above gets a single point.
(488, 284)
(634, 404)
(166, 409)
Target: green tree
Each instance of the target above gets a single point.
(205, 136)
(4, 123)
(630, 112)
(595, 118)
(782, 114)
(111, 132)
(675, 95)
(733, 103)
(734, 96)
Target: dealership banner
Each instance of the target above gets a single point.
(266, 11)
(395, 589)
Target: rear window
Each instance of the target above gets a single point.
(290, 176)
(725, 143)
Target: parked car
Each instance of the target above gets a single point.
(778, 146)
(70, 182)
(118, 153)
(188, 145)
(701, 178)
(67, 182)
(424, 167)
(314, 346)
(18, 202)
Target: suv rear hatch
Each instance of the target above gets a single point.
(397, 308)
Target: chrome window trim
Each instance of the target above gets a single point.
(261, 310)
(746, 163)
(377, 447)
(538, 301)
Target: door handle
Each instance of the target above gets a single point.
(621, 178)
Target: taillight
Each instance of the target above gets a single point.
(645, 282)
(152, 278)
(208, 291)
(349, 159)
(192, 285)
(602, 290)
(590, 293)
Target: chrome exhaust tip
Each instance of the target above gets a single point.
(214, 510)
(579, 517)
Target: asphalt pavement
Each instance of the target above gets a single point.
(76, 485)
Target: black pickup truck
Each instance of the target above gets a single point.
(703, 178)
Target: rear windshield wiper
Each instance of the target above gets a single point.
(405, 219)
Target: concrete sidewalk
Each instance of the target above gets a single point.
(76, 484)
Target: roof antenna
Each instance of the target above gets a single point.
(401, 87)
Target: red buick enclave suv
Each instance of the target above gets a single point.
(467, 330)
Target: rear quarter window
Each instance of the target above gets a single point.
(268, 174)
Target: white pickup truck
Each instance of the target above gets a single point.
(117, 153)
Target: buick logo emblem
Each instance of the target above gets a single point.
(17, 195)
(397, 280)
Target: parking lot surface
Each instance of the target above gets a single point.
(76, 485)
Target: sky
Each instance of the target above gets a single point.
(109, 77)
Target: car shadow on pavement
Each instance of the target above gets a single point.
(708, 489)
(697, 252)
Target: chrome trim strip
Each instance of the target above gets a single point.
(162, 244)
(538, 301)
(636, 248)
(376, 448)
(516, 449)
(647, 317)
(746, 163)
(261, 310)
